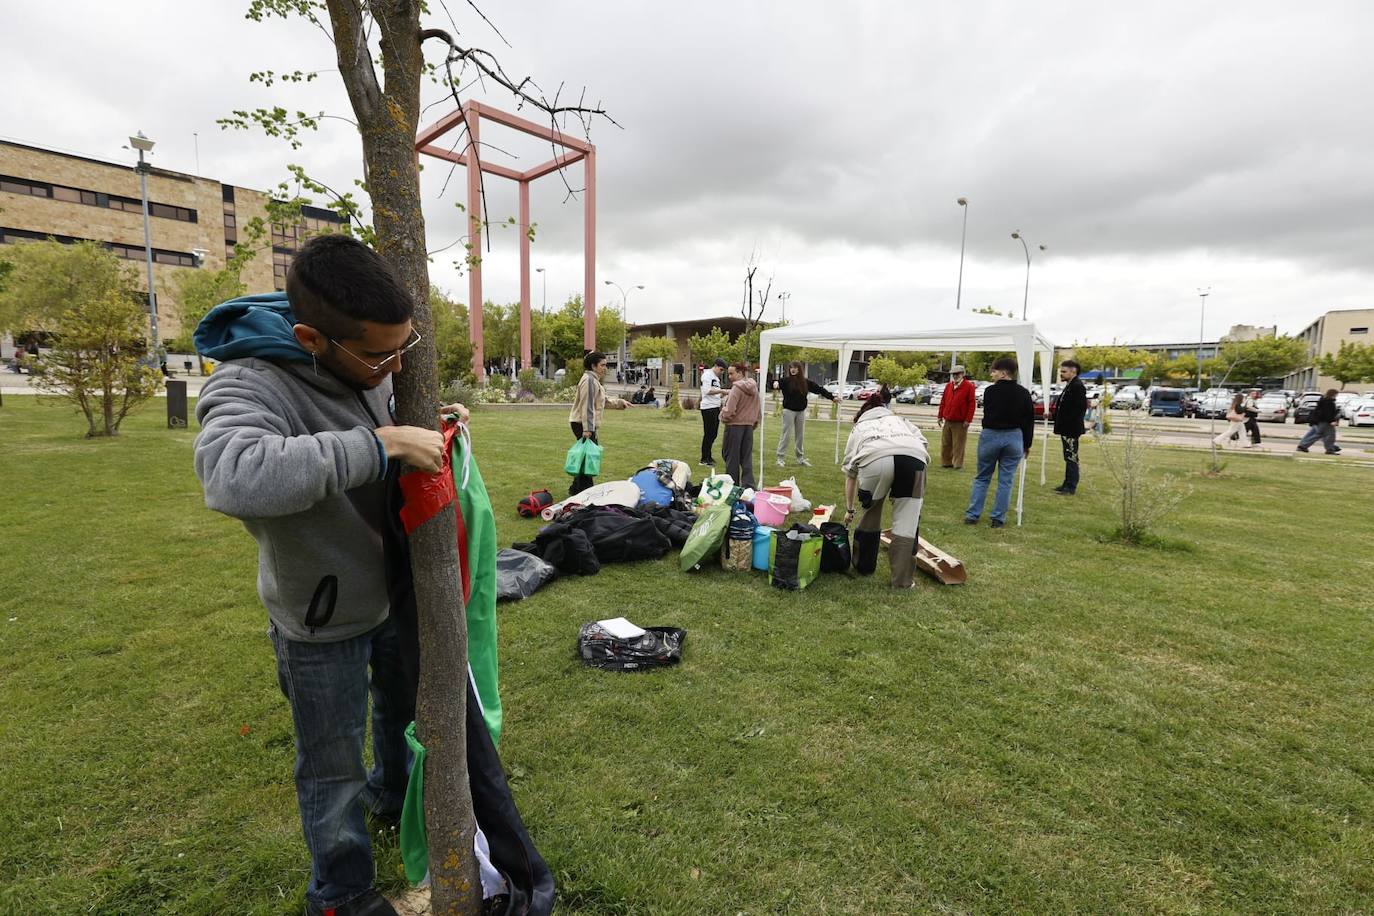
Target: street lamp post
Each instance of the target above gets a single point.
(959, 294)
(1026, 296)
(625, 322)
(544, 320)
(141, 143)
(1201, 321)
(783, 297)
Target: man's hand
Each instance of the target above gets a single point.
(939, 421)
(458, 409)
(419, 448)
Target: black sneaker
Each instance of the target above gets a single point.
(970, 521)
(1063, 492)
(369, 904)
(996, 524)
(1301, 449)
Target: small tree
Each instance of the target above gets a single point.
(646, 348)
(1142, 497)
(755, 304)
(894, 375)
(97, 363)
(1263, 357)
(1353, 362)
(49, 278)
(674, 406)
(715, 344)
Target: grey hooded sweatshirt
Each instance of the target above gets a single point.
(292, 454)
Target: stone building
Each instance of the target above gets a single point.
(1325, 336)
(194, 221)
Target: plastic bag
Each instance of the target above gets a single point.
(835, 553)
(706, 536)
(799, 504)
(584, 457)
(738, 555)
(520, 574)
(795, 558)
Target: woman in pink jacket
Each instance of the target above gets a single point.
(740, 416)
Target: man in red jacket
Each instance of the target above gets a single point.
(956, 413)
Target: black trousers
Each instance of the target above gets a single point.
(580, 482)
(739, 454)
(710, 427)
(1070, 444)
(1252, 427)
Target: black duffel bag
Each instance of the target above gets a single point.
(835, 553)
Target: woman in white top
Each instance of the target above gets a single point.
(885, 457)
(1236, 416)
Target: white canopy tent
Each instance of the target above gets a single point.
(928, 329)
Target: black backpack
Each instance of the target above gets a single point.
(658, 647)
(835, 553)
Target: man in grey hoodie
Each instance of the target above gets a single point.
(296, 442)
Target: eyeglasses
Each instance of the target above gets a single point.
(409, 345)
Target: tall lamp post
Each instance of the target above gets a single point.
(783, 297)
(1026, 296)
(1202, 293)
(544, 321)
(959, 294)
(141, 143)
(625, 321)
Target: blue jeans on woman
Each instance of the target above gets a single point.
(1001, 449)
(327, 685)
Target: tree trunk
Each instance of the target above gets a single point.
(387, 122)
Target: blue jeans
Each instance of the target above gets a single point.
(327, 685)
(997, 448)
(1326, 432)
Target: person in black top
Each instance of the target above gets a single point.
(1068, 422)
(795, 387)
(1323, 425)
(1008, 428)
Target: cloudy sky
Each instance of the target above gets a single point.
(1152, 148)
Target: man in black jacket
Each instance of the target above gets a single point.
(1008, 427)
(1068, 423)
(1323, 425)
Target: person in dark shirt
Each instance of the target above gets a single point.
(1008, 428)
(1323, 425)
(795, 387)
(1068, 423)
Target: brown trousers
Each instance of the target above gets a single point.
(953, 436)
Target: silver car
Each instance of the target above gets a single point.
(1272, 408)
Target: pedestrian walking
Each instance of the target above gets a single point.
(1250, 407)
(710, 409)
(1323, 425)
(1069, 414)
(957, 404)
(741, 415)
(1008, 429)
(795, 388)
(885, 458)
(1235, 415)
(588, 405)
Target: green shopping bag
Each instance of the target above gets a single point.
(794, 562)
(706, 536)
(584, 457)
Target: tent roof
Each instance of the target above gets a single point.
(932, 328)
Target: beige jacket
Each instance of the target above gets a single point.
(589, 403)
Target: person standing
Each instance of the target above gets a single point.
(741, 415)
(1008, 429)
(885, 457)
(1323, 425)
(710, 409)
(1235, 416)
(1068, 423)
(297, 442)
(956, 413)
(795, 388)
(588, 405)
(1250, 407)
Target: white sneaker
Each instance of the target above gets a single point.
(803, 462)
(781, 463)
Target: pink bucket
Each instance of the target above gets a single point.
(771, 508)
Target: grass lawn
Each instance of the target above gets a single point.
(1085, 727)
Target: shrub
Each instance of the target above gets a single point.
(674, 407)
(1141, 497)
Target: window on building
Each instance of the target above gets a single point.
(230, 222)
(24, 186)
(68, 194)
(227, 192)
(1359, 330)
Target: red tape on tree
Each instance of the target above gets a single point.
(427, 494)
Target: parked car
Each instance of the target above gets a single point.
(1302, 413)
(1363, 413)
(1272, 407)
(937, 395)
(978, 395)
(1214, 402)
(1130, 397)
(1344, 401)
(1189, 401)
(914, 394)
(1165, 402)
